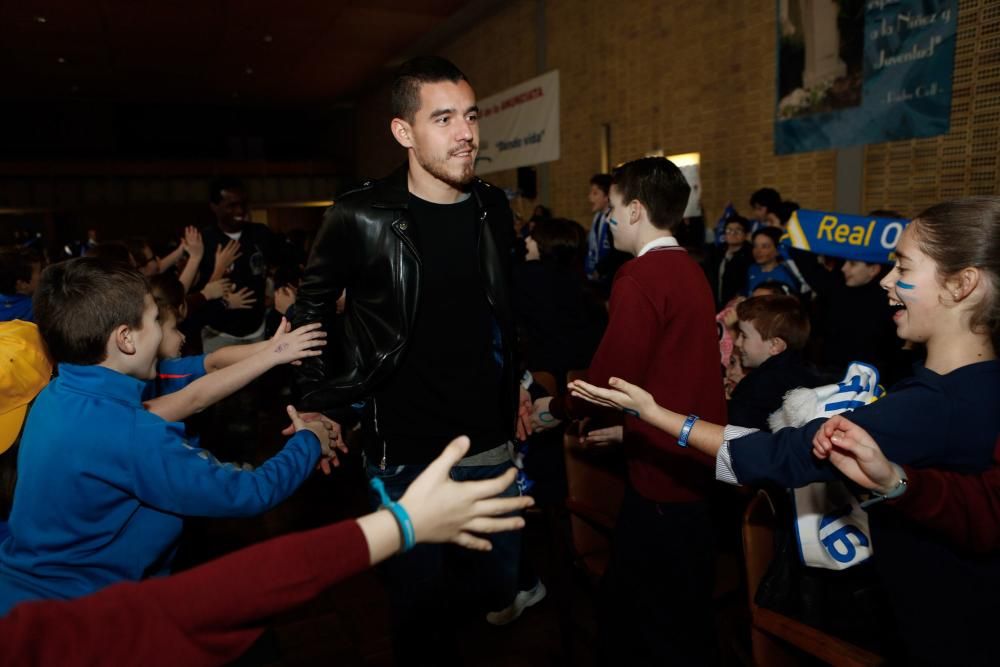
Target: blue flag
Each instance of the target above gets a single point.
(861, 238)
(720, 226)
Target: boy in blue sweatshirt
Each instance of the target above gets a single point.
(103, 483)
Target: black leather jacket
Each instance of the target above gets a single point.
(365, 246)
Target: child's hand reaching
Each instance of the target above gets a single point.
(602, 437)
(316, 427)
(856, 454)
(628, 398)
(290, 347)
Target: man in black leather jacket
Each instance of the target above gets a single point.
(426, 341)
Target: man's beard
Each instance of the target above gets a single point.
(438, 168)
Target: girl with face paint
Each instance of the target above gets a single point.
(945, 289)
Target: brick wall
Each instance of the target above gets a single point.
(686, 76)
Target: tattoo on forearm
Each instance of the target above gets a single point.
(281, 348)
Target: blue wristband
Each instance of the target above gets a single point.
(686, 430)
(398, 513)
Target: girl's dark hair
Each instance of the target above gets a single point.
(558, 240)
(966, 233)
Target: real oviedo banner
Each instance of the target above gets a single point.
(520, 126)
(856, 237)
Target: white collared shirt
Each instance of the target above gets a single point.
(661, 242)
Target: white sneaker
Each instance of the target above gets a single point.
(522, 601)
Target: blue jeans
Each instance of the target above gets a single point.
(434, 582)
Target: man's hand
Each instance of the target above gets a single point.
(334, 432)
(541, 417)
(524, 415)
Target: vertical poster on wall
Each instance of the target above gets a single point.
(854, 72)
(519, 127)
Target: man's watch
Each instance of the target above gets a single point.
(893, 493)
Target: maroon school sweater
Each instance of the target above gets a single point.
(661, 336)
(208, 615)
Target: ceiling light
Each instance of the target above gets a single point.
(249, 71)
(41, 19)
(268, 39)
(61, 60)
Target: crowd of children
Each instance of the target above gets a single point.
(687, 365)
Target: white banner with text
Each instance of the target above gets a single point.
(519, 127)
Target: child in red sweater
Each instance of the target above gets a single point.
(661, 332)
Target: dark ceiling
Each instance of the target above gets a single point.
(206, 52)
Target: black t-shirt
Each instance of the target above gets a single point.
(448, 380)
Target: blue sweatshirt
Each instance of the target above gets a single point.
(103, 486)
(16, 307)
(173, 375)
(946, 603)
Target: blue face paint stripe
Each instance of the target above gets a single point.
(901, 285)
(612, 221)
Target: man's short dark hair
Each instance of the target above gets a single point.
(777, 317)
(414, 73)
(766, 197)
(602, 181)
(80, 302)
(224, 183)
(16, 264)
(657, 184)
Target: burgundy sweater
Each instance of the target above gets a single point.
(964, 509)
(661, 336)
(208, 615)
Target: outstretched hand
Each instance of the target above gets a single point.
(629, 398)
(855, 453)
(224, 258)
(334, 432)
(192, 242)
(289, 346)
(240, 299)
(299, 424)
(602, 437)
(443, 510)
